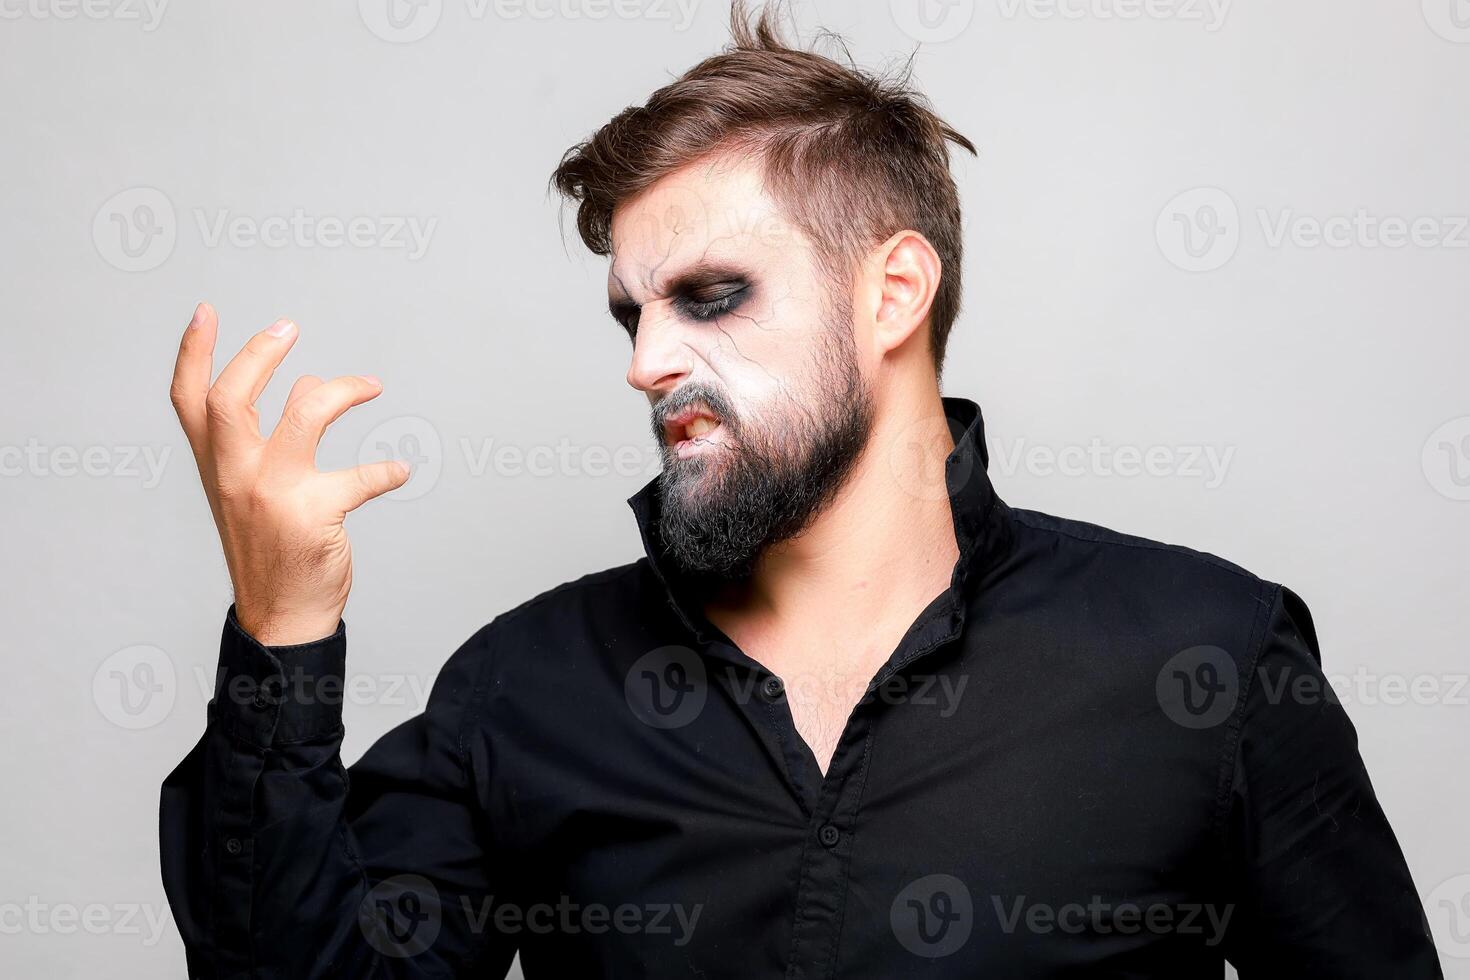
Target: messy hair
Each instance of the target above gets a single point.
(851, 157)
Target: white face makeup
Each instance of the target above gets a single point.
(717, 289)
(750, 365)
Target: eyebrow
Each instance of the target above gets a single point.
(687, 281)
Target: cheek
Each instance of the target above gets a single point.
(767, 346)
(755, 364)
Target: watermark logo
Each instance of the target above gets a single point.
(413, 440)
(667, 688)
(1197, 687)
(401, 916)
(135, 687)
(400, 21)
(680, 213)
(1448, 909)
(416, 441)
(918, 458)
(1446, 459)
(135, 230)
(932, 21)
(933, 916)
(1450, 19)
(1199, 230)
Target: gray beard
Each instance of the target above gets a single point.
(720, 511)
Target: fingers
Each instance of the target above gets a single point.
(192, 371)
(303, 384)
(357, 486)
(230, 403)
(306, 417)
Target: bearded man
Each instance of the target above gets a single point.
(851, 715)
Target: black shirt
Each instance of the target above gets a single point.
(1093, 755)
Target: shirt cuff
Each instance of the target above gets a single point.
(274, 695)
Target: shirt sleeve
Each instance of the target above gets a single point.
(1319, 884)
(278, 862)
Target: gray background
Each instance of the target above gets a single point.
(1333, 375)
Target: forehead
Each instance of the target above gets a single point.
(711, 212)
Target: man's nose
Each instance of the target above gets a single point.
(660, 358)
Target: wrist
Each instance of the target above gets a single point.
(279, 629)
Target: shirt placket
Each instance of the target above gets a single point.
(831, 802)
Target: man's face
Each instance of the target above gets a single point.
(744, 346)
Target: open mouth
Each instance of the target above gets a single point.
(692, 430)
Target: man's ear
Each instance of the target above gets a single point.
(906, 270)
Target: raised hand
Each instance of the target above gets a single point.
(280, 520)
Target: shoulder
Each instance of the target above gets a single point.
(588, 616)
(1149, 597)
(558, 639)
(1132, 562)
(1079, 538)
(583, 594)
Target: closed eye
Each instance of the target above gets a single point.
(709, 302)
(700, 296)
(626, 314)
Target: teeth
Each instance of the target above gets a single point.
(699, 427)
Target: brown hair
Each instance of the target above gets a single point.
(851, 157)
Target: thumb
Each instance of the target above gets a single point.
(360, 484)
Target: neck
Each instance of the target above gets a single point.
(886, 542)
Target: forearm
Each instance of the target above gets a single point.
(280, 863)
(254, 842)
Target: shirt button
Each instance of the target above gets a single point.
(265, 694)
(233, 846)
(773, 688)
(829, 835)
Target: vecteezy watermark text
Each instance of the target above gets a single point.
(137, 229)
(1208, 464)
(406, 21)
(1209, 13)
(34, 458)
(1200, 230)
(147, 13)
(37, 917)
(1099, 917)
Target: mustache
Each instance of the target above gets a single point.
(693, 393)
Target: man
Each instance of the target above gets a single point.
(851, 715)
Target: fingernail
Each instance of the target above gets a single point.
(198, 319)
(371, 379)
(281, 328)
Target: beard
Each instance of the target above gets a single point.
(769, 478)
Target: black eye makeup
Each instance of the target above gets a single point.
(625, 312)
(699, 296)
(705, 303)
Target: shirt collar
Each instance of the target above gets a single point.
(981, 522)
